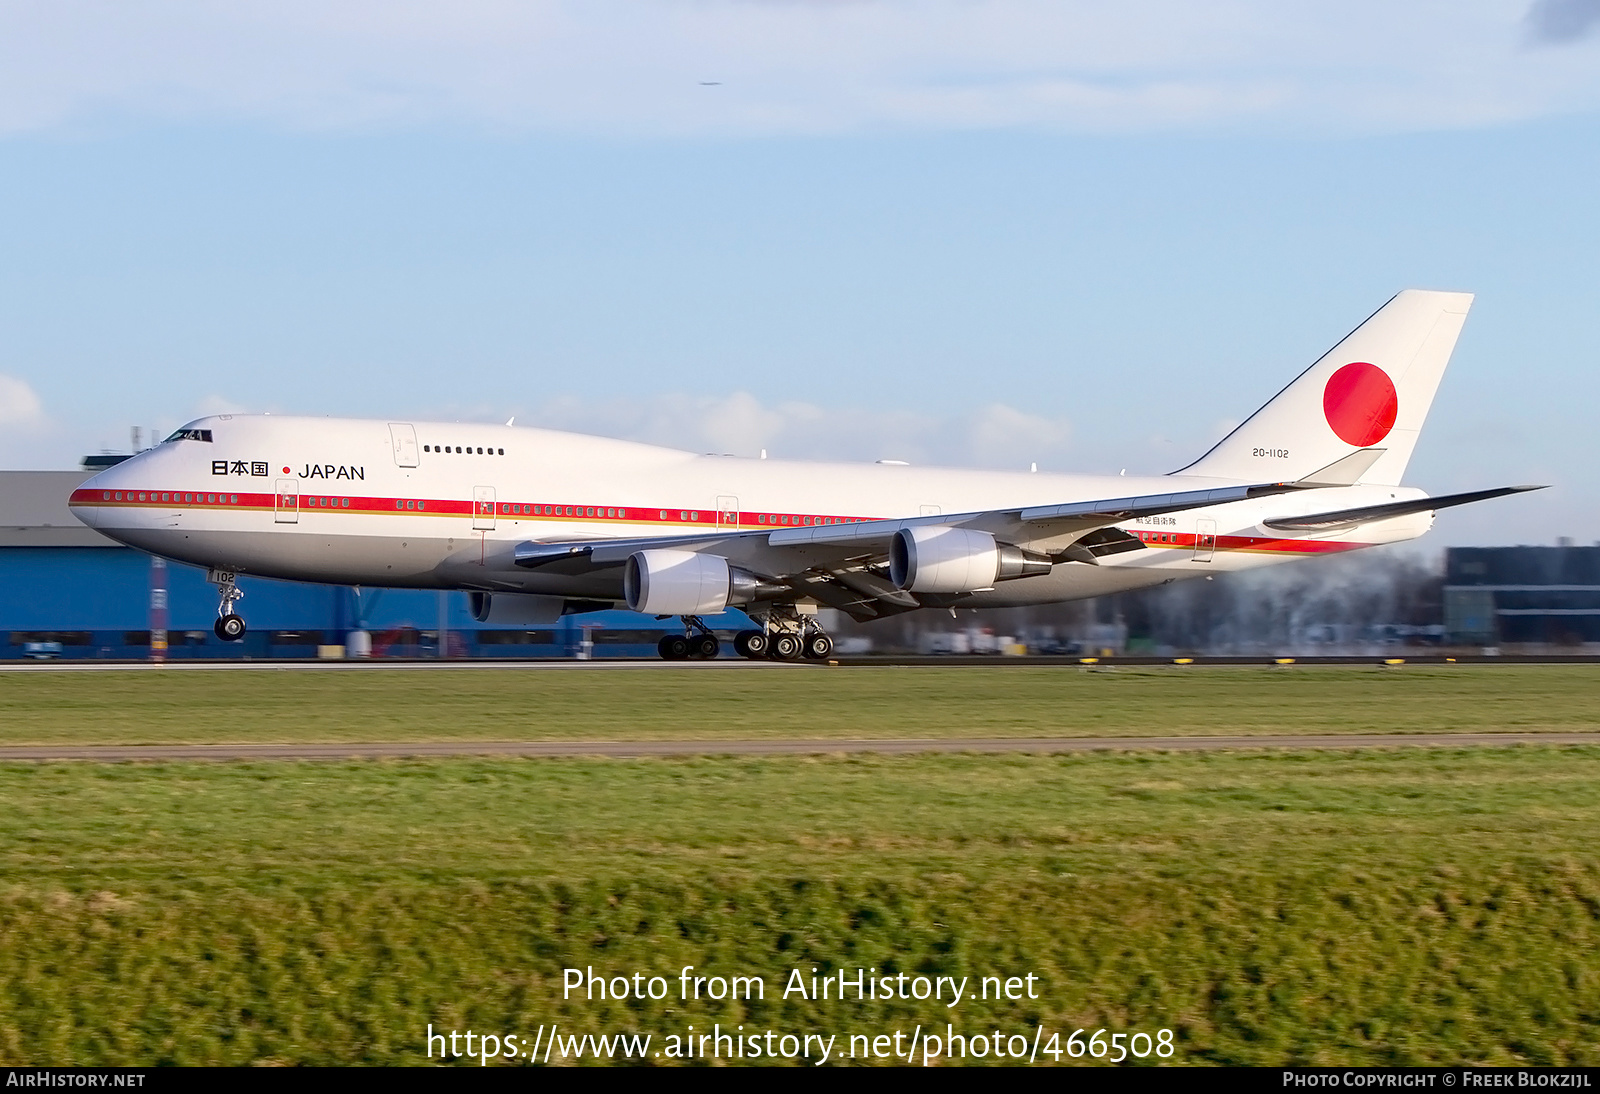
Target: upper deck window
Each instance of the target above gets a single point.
(190, 435)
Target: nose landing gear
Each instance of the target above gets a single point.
(229, 627)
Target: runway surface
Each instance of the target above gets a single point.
(312, 665)
(734, 664)
(636, 749)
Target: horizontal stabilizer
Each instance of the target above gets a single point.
(1349, 518)
(1345, 471)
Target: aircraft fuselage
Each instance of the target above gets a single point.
(438, 505)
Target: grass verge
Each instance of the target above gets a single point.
(195, 706)
(1395, 906)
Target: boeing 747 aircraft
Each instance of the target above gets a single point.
(536, 524)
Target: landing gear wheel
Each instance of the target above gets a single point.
(818, 646)
(751, 644)
(674, 647)
(704, 647)
(228, 627)
(785, 647)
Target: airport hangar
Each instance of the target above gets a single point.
(68, 591)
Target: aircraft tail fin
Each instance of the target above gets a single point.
(1363, 402)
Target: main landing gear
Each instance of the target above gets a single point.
(697, 643)
(784, 635)
(228, 627)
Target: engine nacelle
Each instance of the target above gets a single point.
(937, 558)
(513, 609)
(667, 582)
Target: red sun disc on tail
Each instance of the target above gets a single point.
(1360, 404)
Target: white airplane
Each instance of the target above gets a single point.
(537, 524)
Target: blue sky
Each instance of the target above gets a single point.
(970, 233)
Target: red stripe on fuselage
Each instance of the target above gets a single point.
(508, 510)
(550, 511)
(1188, 541)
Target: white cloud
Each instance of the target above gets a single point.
(19, 404)
(993, 436)
(624, 67)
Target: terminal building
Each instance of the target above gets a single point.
(67, 591)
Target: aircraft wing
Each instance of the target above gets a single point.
(842, 565)
(1042, 528)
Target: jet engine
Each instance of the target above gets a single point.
(512, 609)
(937, 558)
(667, 582)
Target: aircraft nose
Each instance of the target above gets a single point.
(83, 499)
(93, 493)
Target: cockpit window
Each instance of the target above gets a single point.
(190, 435)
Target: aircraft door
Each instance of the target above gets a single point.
(930, 511)
(403, 439)
(483, 508)
(1205, 539)
(286, 503)
(727, 512)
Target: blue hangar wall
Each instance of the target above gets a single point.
(64, 584)
(95, 602)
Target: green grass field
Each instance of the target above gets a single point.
(1426, 905)
(191, 706)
